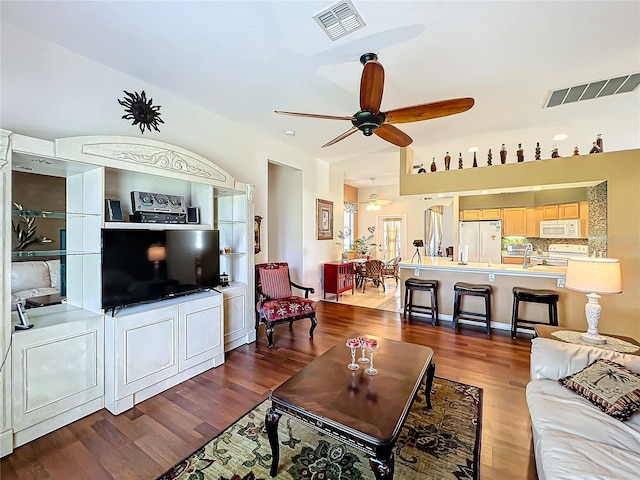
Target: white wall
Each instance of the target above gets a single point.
(413, 206)
(50, 92)
(285, 214)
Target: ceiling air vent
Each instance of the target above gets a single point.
(588, 91)
(339, 20)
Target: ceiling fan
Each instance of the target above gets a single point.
(375, 203)
(369, 119)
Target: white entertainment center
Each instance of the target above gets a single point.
(78, 358)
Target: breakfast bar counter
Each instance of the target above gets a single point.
(447, 265)
(501, 277)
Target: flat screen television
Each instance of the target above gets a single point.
(141, 266)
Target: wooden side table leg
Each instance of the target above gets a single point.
(271, 422)
(431, 372)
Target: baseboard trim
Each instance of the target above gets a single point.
(6, 443)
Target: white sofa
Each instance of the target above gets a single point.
(572, 438)
(33, 279)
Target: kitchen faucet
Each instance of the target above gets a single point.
(528, 250)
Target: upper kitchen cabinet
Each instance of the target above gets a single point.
(481, 214)
(550, 212)
(532, 219)
(471, 215)
(514, 221)
(569, 211)
(584, 218)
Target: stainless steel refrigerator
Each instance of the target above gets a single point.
(484, 239)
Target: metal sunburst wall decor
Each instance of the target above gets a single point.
(141, 111)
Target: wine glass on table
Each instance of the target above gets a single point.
(353, 344)
(372, 344)
(363, 346)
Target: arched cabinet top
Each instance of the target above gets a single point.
(145, 156)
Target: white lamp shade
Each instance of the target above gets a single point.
(594, 275)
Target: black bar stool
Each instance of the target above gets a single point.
(475, 290)
(412, 284)
(548, 297)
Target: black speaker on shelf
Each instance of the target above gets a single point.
(113, 210)
(193, 215)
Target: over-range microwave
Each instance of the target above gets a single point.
(560, 229)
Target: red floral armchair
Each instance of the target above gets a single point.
(275, 301)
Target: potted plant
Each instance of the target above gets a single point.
(364, 245)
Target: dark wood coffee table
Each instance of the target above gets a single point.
(363, 411)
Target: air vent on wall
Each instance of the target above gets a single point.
(339, 20)
(601, 88)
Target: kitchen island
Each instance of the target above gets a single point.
(501, 277)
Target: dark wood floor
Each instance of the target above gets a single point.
(147, 440)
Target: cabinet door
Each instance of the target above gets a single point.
(56, 369)
(568, 211)
(491, 214)
(514, 222)
(200, 331)
(550, 212)
(237, 321)
(471, 215)
(143, 351)
(584, 219)
(532, 224)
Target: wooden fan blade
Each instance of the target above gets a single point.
(371, 87)
(340, 137)
(313, 115)
(429, 110)
(393, 135)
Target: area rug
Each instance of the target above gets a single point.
(440, 443)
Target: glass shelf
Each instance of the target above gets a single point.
(48, 214)
(230, 254)
(49, 253)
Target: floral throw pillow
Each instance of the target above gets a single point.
(274, 282)
(611, 387)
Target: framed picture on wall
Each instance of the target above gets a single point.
(257, 220)
(324, 220)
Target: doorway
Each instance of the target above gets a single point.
(392, 236)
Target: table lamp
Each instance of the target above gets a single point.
(593, 276)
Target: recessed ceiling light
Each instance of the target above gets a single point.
(290, 133)
(473, 149)
(561, 136)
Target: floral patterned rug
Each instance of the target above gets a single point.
(440, 443)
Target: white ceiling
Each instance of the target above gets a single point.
(245, 59)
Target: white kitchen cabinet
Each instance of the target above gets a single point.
(149, 349)
(57, 370)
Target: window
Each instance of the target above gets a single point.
(349, 222)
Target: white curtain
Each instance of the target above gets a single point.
(391, 238)
(433, 231)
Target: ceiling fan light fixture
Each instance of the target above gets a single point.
(373, 207)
